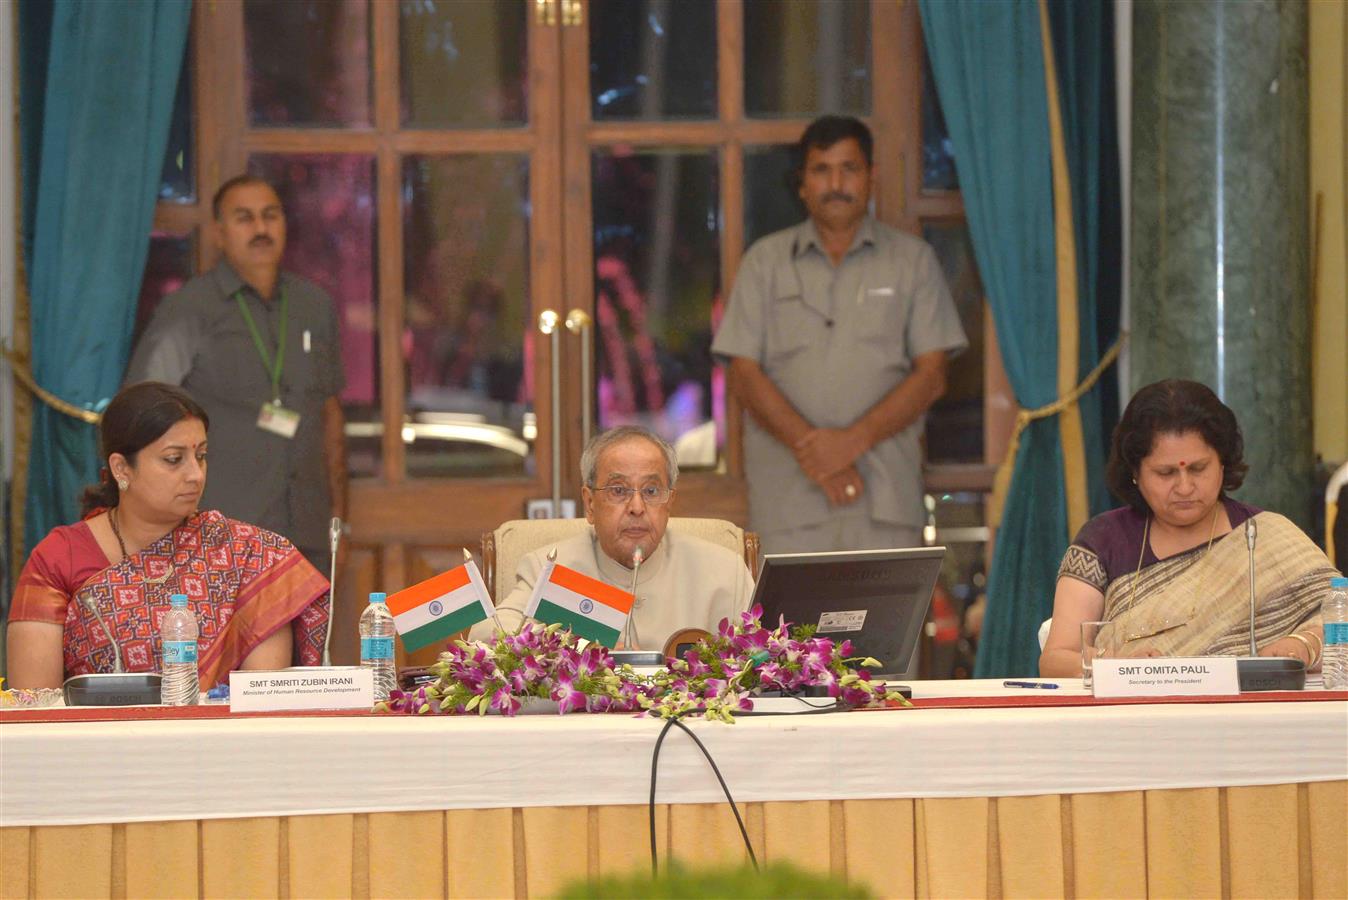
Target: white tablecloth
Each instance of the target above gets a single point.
(99, 772)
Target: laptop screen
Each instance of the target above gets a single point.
(877, 599)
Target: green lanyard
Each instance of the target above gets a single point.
(273, 367)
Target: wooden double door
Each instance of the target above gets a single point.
(530, 214)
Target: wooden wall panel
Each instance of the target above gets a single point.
(355, 581)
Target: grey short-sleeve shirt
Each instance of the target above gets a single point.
(199, 340)
(835, 340)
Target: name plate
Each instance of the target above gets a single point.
(1165, 676)
(330, 687)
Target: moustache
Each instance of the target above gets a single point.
(261, 241)
(838, 195)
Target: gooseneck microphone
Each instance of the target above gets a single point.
(630, 637)
(1256, 673)
(88, 603)
(334, 541)
(1249, 543)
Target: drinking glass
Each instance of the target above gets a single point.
(1090, 633)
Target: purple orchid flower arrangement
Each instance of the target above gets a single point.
(716, 678)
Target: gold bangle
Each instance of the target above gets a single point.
(1311, 655)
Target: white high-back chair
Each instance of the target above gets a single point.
(503, 548)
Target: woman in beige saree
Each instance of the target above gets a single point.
(1169, 572)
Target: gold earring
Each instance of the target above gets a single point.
(123, 484)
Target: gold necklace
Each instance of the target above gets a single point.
(1142, 551)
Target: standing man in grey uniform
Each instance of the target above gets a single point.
(837, 336)
(259, 349)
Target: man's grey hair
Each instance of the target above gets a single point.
(589, 459)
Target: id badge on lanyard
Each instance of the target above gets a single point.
(273, 417)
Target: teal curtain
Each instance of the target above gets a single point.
(1083, 48)
(987, 60)
(111, 70)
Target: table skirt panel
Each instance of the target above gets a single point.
(1109, 844)
(1328, 824)
(481, 844)
(73, 861)
(161, 860)
(1184, 843)
(15, 859)
(1031, 851)
(319, 855)
(705, 833)
(557, 843)
(626, 837)
(796, 832)
(1278, 841)
(879, 845)
(407, 854)
(1262, 836)
(241, 858)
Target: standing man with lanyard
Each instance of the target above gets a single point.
(259, 349)
(836, 339)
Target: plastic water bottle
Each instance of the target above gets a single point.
(1334, 663)
(178, 631)
(376, 645)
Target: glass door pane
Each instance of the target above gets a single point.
(330, 240)
(955, 422)
(652, 59)
(804, 58)
(467, 338)
(463, 64)
(657, 273)
(308, 62)
(770, 200)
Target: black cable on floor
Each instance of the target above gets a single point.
(655, 762)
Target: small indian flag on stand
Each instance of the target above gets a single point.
(438, 607)
(590, 608)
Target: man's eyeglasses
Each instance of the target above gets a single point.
(621, 494)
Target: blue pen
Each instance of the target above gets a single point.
(1045, 685)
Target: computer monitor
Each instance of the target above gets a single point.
(877, 599)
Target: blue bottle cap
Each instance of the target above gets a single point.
(178, 601)
(1336, 583)
(377, 596)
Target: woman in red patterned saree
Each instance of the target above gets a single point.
(259, 603)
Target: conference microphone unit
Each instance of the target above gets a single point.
(1259, 673)
(115, 688)
(1270, 673)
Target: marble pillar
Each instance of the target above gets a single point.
(1220, 282)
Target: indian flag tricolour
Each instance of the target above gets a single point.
(590, 608)
(438, 607)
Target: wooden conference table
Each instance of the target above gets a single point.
(1036, 793)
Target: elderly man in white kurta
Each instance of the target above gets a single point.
(683, 581)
